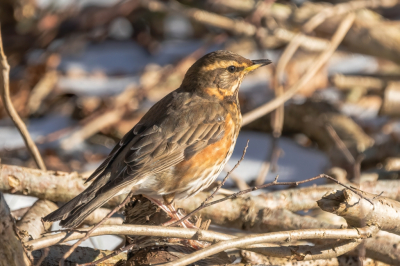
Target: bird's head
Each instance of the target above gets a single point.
(219, 74)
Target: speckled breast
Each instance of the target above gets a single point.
(205, 166)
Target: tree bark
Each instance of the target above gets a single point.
(12, 252)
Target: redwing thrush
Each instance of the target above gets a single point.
(180, 145)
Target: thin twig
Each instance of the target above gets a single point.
(280, 236)
(291, 48)
(115, 253)
(67, 254)
(274, 183)
(186, 233)
(355, 162)
(270, 163)
(45, 252)
(337, 10)
(357, 169)
(319, 62)
(5, 96)
(216, 190)
(240, 183)
(340, 144)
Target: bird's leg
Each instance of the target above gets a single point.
(172, 212)
(175, 216)
(178, 216)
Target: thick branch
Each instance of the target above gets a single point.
(291, 199)
(11, 250)
(307, 252)
(61, 186)
(384, 247)
(280, 236)
(385, 213)
(50, 185)
(344, 260)
(125, 229)
(31, 226)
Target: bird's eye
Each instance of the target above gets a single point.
(231, 69)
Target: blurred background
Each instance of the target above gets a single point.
(83, 72)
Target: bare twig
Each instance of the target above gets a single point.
(319, 62)
(275, 183)
(307, 252)
(61, 186)
(347, 82)
(271, 162)
(384, 212)
(340, 144)
(126, 229)
(172, 232)
(31, 226)
(45, 252)
(240, 183)
(66, 255)
(338, 10)
(17, 214)
(364, 232)
(5, 96)
(185, 233)
(216, 190)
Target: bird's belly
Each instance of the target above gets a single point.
(202, 170)
(191, 176)
(185, 182)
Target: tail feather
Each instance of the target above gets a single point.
(79, 214)
(64, 210)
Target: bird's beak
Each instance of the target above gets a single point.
(257, 64)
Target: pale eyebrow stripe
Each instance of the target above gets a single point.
(223, 64)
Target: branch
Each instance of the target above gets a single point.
(12, 252)
(52, 185)
(341, 9)
(209, 236)
(348, 82)
(62, 187)
(385, 213)
(126, 229)
(359, 233)
(274, 183)
(5, 96)
(343, 260)
(384, 247)
(385, 251)
(69, 252)
(307, 252)
(319, 62)
(31, 226)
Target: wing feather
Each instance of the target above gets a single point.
(163, 138)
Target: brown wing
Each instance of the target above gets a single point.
(187, 126)
(173, 130)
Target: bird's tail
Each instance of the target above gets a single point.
(79, 214)
(75, 211)
(63, 212)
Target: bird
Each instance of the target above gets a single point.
(178, 148)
